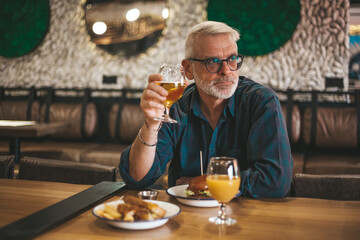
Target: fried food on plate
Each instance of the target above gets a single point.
(153, 207)
(132, 209)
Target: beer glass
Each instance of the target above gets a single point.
(174, 82)
(223, 180)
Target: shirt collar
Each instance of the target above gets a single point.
(195, 104)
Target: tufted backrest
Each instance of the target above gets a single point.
(125, 125)
(82, 119)
(335, 127)
(293, 122)
(19, 110)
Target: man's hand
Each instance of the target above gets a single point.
(152, 100)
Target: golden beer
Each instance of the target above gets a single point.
(175, 90)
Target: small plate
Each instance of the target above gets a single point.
(179, 193)
(171, 211)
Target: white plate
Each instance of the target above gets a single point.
(171, 211)
(179, 193)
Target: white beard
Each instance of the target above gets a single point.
(210, 88)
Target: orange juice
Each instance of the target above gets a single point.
(222, 188)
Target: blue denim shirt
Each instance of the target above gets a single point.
(251, 129)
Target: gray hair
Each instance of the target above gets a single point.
(208, 28)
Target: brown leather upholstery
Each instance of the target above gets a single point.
(132, 118)
(298, 164)
(332, 164)
(336, 127)
(17, 110)
(71, 113)
(63, 150)
(295, 122)
(108, 154)
(63, 171)
(6, 166)
(336, 187)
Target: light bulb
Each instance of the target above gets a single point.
(132, 14)
(99, 28)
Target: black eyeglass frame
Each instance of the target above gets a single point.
(205, 61)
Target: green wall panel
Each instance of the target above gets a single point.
(264, 25)
(23, 26)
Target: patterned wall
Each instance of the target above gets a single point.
(67, 58)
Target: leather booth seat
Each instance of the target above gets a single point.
(125, 121)
(293, 122)
(324, 139)
(81, 118)
(331, 140)
(299, 161)
(333, 186)
(31, 168)
(6, 166)
(332, 163)
(106, 154)
(63, 150)
(20, 110)
(335, 127)
(68, 146)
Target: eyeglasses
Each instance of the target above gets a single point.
(213, 65)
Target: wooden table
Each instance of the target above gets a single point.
(288, 218)
(19, 129)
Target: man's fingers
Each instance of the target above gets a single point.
(152, 93)
(153, 86)
(152, 104)
(155, 77)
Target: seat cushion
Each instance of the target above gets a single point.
(332, 164)
(336, 187)
(62, 171)
(105, 154)
(60, 150)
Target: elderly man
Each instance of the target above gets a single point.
(221, 114)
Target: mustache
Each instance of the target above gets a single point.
(226, 79)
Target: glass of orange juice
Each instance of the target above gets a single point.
(223, 180)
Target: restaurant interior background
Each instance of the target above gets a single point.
(55, 68)
(297, 43)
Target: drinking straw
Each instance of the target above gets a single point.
(201, 163)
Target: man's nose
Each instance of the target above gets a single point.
(224, 68)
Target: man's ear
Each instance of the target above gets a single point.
(187, 69)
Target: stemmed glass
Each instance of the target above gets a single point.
(174, 82)
(223, 180)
